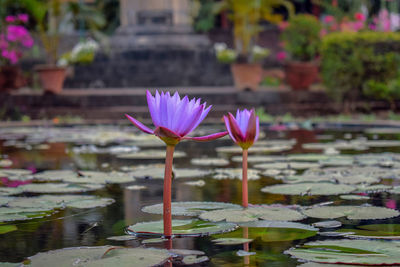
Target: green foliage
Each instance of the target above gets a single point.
(246, 16)
(301, 37)
(51, 16)
(350, 59)
(226, 56)
(205, 18)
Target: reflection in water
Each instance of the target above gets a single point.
(73, 227)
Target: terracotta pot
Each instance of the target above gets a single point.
(247, 76)
(51, 78)
(11, 77)
(300, 75)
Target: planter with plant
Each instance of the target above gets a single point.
(14, 41)
(246, 57)
(302, 41)
(51, 16)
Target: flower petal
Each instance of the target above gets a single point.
(139, 125)
(203, 115)
(165, 132)
(228, 127)
(192, 120)
(236, 132)
(151, 103)
(251, 127)
(207, 137)
(258, 129)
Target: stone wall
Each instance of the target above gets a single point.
(152, 67)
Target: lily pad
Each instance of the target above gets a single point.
(189, 208)
(272, 231)
(16, 174)
(190, 173)
(8, 191)
(354, 197)
(235, 173)
(351, 180)
(136, 187)
(260, 158)
(91, 203)
(287, 165)
(327, 224)
(308, 157)
(358, 252)
(231, 241)
(5, 163)
(374, 231)
(308, 189)
(351, 212)
(100, 256)
(7, 228)
(85, 177)
(254, 149)
(253, 214)
(121, 238)
(193, 259)
(199, 183)
(60, 188)
(210, 161)
(150, 154)
(15, 214)
(182, 228)
(373, 188)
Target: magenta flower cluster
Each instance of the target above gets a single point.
(14, 39)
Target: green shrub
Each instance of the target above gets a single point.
(302, 37)
(350, 59)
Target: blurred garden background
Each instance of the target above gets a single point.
(308, 60)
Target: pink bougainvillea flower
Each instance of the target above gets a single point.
(10, 19)
(359, 16)
(175, 118)
(23, 18)
(244, 129)
(281, 56)
(329, 19)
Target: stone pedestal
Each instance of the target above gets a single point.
(156, 23)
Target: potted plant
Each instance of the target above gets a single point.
(302, 42)
(246, 16)
(51, 16)
(14, 41)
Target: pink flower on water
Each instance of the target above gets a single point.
(329, 19)
(10, 19)
(23, 18)
(281, 56)
(175, 118)
(359, 16)
(244, 129)
(391, 204)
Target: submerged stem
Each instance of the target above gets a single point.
(167, 192)
(245, 201)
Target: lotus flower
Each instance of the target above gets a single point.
(174, 118)
(244, 131)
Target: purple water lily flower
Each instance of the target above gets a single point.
(175, 118)
(244, 129)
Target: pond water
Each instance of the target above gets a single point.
(347, 163)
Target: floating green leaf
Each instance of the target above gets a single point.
(374, 231)
(232, 173)
(7, 228)
(231, 241)
(351, 212)
(189, 208)
(253, 214)
(354, 197)
(59, 188)
(121, 238)
(182, 227)
(210, 161)
(100, 256)
(150, 154)
(358, 252)
(309, 189)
